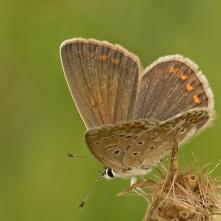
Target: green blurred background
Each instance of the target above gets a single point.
(39, 123)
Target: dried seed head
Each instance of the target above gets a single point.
(190, 196)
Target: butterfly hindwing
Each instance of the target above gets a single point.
(151, 147)
(109, 143)
(141, 144)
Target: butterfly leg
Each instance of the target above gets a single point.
(133, 180)
(137, 190)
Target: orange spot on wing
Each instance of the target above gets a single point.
(183, 77)
(174, 70)
(196, 99)
(189, 87)
(115, 61)
(103, 57)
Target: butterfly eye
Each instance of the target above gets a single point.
(116, 152)
(109, 173)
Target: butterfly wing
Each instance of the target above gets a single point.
(172, 85)
(102, 78)
(110, 143)
(151, 147)
(141, 143)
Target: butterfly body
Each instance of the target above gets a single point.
(131, 113)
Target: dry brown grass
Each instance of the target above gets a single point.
(190, 196)
(180, 196)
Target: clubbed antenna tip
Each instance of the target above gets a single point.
(91, 190)
(82, 204)
(80, 156)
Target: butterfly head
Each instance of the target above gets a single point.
(108, 173)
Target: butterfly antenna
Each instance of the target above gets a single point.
(90, 191)
(80, 156)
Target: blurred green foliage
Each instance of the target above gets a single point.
(39, 123)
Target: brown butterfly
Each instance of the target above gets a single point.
(132, 113)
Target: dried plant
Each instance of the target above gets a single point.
(180, 196)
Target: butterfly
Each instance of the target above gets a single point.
(131, 113)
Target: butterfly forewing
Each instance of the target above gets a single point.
(102, 79)
(139, 144)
